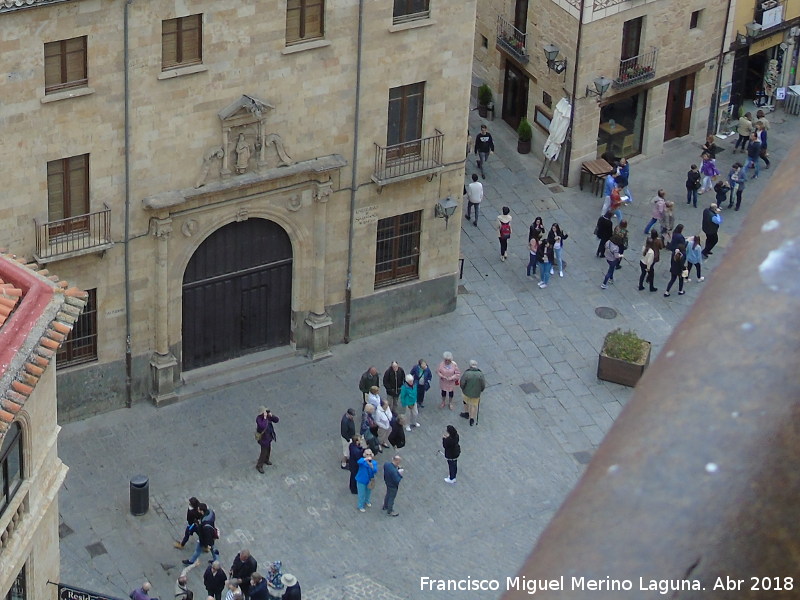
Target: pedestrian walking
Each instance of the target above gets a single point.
(536, 229)
(503, 223)
(142, 593)
(192, 519)
(677, 238)
(533, 249)
(408, 399)
(472, 385)
(422, 377)
(365, 479)
(709, 171)
(694, 257)
(448, 377)
(207, 535)
(659, 203)
(740, 187)
(383, 419)
(603, 230)
(392, 474)
(761, 133)
(611, 255)
(646, 262)
(545, 258)
(621, 231)
(474, 198)
(753, 154)
(265, 435)
(556, 238)
(676, 267)
(243, 566)
(710, 147)
(711, 222)
(484, 146)
(761, 118)
(291, 587)
(452, 450)
(368, 379)
(182, 590)
(356, 451)
(617, 199)
(735, 178)
(668, 222)
(693, 178)
(214, 580)
(393, 379)
(348, 430)
(744, 129)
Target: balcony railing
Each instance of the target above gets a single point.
(74, 236)
(512, 40)
(407, 160)
(636, 70)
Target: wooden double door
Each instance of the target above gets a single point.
(680, 99)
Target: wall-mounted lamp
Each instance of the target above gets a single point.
(445, 209)
(551, 53)
(753, 29)
(601, 85)
(741, 39)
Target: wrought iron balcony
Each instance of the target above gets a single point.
(74, 236)
(636, 70)
(407, 160)
(512, 40)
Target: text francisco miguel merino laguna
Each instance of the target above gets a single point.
(531, 586)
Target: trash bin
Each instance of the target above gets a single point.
(140, 495)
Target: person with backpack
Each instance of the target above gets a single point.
(192, 516)
(504, 231)
(207, 533)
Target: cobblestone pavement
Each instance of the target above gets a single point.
(543, 415)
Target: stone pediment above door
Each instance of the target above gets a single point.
(247, 110)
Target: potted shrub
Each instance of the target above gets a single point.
(623, 358)
(524, 135)
(485, 97)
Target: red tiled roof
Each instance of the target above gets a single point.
(26, 294)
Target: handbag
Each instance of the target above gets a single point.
(259, 435)
(685, 273)
(371, 483)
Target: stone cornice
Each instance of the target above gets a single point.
(12, 5)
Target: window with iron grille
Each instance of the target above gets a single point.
(18, 589)
(305, 20)
(411, 10)
(81, 344)
(397, 250)
(181, 42)
(11, 474)
(65, 65)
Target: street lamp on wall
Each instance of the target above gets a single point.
(551, 53)
(753, 29)
(445, 209)
(601, 85)
(741, 39)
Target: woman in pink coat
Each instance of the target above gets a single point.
(448, 377)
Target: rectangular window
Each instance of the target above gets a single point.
(694, 21)
(181, 42)
(81, 344)
(305, 20)
(410, 10)
(397, 250)
(65, 65)
(18, 589)
(10, 465)
(631, 38)
(68, 194)
(405, 113)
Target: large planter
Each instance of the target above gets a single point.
(621, 371)
(483, 110)
(523, 147)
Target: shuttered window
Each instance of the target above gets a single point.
(397, 249)
(68, 194)
(181, 42)
(305, 20)
(65, 65)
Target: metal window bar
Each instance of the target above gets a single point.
(73, 233)
(397, 250)
(511, 39)
(81, 343)
(406, 158)
(637, 69)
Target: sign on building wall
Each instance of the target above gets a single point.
(772, 17)
(366, 215)
(68, 592)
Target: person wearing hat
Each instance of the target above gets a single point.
(292, 591)
(348, 430)
(711, 223)
(472, 384)
(265, 434)
(408, 399)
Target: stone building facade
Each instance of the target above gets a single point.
(660, 59)
(36, 315)
(225, 177)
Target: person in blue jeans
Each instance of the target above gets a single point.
(612, 255)
(533, 248)
(693, 178)
(545, 257)
(206, 534)
(753, 154)
(367, 468)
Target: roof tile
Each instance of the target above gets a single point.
(20, 387)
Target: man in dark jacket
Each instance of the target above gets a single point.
(604, 230)
(392, 474)
(258, 587)
(368, 379)
(206, 534)
(393, 380)
(753, 154)
(348, 431)
(292, 587)
(214, 580)
(472, 385)
(193, 517)
(711, 221)
(484, 145)
(242, 568)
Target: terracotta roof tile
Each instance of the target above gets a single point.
(52, 345)
(22, 388)
(10, 406)
(15, 396)
(61, 327)
(34, 369)
(6, 416)
(56, 336)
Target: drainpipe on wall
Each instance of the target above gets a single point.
(713, 119)
(568, 150)
(348, 292)
(128, 359)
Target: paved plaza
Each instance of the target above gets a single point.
(543, 414)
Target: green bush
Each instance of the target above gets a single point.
(485, 95)
(524, 131)
(625, 345)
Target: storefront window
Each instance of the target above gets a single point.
(621, 126)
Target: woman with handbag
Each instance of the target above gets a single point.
(265, 435)
(676, 269)
(365, 479)
(556, 238)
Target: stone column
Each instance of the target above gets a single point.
(318, 320)
(163, 364)
(226, 166)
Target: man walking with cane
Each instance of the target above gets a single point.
(472, 384)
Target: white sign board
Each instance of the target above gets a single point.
(366, 215)
(780, 94)
(772, 17)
